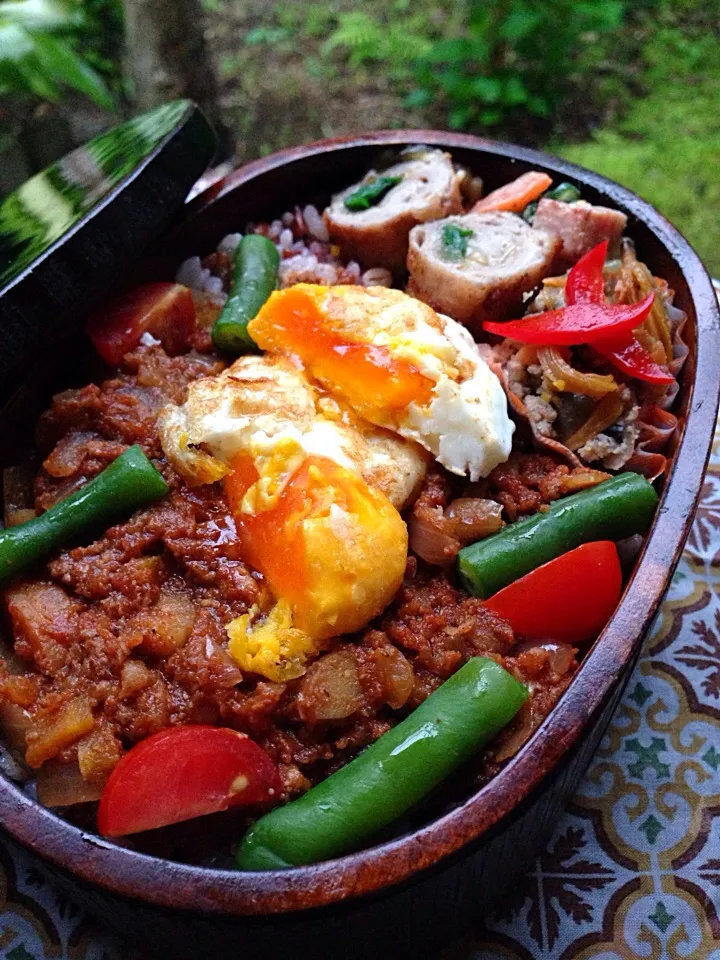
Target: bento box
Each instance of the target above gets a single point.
(414, 885)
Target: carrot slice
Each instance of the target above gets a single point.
(516, 195)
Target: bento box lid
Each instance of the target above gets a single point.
(70, 233)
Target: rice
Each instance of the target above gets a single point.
(377, 277)
(191, 273)
(315, 224)
(229, 244)
(306, 256)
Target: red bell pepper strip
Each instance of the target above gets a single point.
(185, 772)
(586, 284)
(575, 324)
(569, 599)
(633, 359)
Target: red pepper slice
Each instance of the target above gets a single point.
(185, 772)
(633, 359)
(165, 310)
(575, 324)
(585, 282)
(569, 599)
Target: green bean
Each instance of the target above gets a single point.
(255, 274)
(128, 483)
(391, 775)
(612, 510)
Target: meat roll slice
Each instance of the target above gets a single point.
(429, 187)
(580, 226)
(478, 266)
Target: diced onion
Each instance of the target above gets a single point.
(62, 785)
(18, 500)
(431, 538)
(474, 518)
(397, 675)
(522, 728)
(331, 689)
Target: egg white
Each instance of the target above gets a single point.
(265, 406)
(465, 425)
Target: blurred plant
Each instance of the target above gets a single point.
(397, 44)
(47, 46)
(509, 57)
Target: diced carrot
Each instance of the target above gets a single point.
(516, 195)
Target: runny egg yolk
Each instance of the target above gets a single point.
(332, 549)
(374, 382)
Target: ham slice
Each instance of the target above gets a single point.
(580, 226)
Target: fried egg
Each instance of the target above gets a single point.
(315, 494)
(398, 364)
(265, 404)
(333, 550)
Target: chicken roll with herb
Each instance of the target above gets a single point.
(371, 220)
(479, 265)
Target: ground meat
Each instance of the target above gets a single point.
(546, 675)
(87, 428)
(126, 635)
(528, 482)
(542, 415)
(444, 627)
(616, 445)
(431, 533)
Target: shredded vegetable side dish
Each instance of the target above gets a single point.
(354, 497)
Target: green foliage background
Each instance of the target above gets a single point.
(48, 46)
(631, 89)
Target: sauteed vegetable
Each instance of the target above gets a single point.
(615, 509)
(129, 482)
(366, 469)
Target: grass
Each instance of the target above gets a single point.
(666, 147)
(282, 84)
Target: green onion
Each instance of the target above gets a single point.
(370, 193)
(455, 241)
(565, 192)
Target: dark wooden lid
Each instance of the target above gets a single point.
(70, 231)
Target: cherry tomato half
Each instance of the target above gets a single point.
(185, 772)
(165, 310)
(569, 599)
